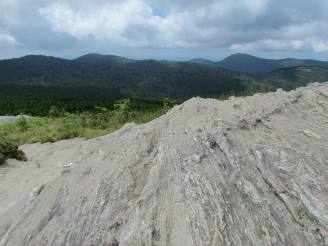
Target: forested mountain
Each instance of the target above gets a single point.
(114, 77)
(33, 84)
(248, 64)
(293, 77)
(98, 59)
(206, 62)
(254, 65)
(136, 78)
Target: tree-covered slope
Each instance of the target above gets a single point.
(137, 78)
(245, 63)
(102, 76)
(248, 64)
(293, 77)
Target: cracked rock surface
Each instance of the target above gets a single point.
(246, 171)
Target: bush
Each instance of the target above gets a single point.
(54, 112)
(9, 150)
(122, 109)
(69, 128)
(168, 104)
(2, 158)
(101, 117)
(22, 123)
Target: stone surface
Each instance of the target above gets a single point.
(206, 173)
(4, 119)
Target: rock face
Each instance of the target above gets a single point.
(247, 171)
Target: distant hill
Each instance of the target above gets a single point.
(148, 78)
(245, 63)
(98, 59)
(290, 62)
(201, 61)
(293, 77)
(248, 64)
(114, 76)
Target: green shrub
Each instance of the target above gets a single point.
(9, 150)
(69, 128)
(54, 112)
(2, 158)
(22, 123)
(122, 109)
(101, 118)
(168, 104)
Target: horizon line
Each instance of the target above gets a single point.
(160, 59)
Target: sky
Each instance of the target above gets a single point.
(165, 29)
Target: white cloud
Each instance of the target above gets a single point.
(236, 25)
(320, 46)
(135, 23)
(109, 22)
(308, 44)
(6, 38)
(269, 44)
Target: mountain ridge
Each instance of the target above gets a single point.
(238, 62)
(132, 77)
(94, 58)
(150, 78)
(245, 63)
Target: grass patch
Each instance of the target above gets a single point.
(61, 125)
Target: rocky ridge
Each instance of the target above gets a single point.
(246, 171)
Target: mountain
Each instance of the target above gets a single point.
(254, 65)
(98, 59)
(289, 62)
(293, 77)
(101, 75)
(246, 171)
(201, 61)
(248, 64)
(132, 77)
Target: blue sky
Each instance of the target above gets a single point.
(165, 29)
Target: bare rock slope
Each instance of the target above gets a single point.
(247, 171)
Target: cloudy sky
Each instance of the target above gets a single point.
(168, 29)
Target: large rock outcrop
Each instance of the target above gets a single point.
(246, 171)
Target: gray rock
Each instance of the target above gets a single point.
(4, 119)
(154, 184)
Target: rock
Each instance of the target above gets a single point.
(280, 90)
(316, 84)
(196, 158)
(234, 182)
(4, 119)
(311, 134)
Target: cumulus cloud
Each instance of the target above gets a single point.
(308, 44)
(61, 26)
(128, 22)
(6, 38)
(135, 22)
